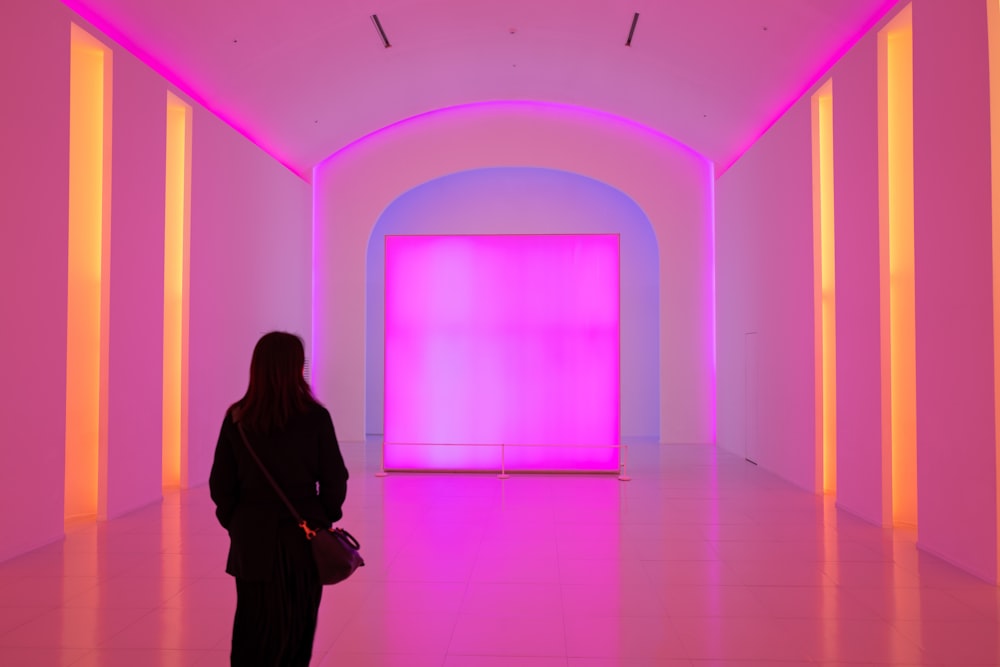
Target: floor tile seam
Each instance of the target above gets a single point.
(103, 650)
(924, 656)
(336, 636)
(82, 652)
(125, 628)
(562, 603)
(454, 625)
(879, 611)
(13, 628)
(98, 643)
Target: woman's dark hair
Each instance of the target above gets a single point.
(277, 388)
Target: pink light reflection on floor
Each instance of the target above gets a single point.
(702, 559)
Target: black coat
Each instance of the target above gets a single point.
(305, 460)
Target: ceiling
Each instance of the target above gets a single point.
(304, 78)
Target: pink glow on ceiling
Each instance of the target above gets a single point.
(502, 340)
(712, 77)
(526, 105)
(182, 86)
(821, 71)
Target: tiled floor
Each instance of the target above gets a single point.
(701, 560)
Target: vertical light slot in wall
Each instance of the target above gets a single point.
(897, 261)
(993, 18)
(825, 299)
(87, 297)
(176, 249)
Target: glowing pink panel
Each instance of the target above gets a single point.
(502, 350)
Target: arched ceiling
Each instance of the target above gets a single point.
(303, 78)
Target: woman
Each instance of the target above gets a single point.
(277, 588)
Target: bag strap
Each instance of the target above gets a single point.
(310, 533)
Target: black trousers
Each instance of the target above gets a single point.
(275, 621)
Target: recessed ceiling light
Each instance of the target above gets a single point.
(381, 32)
(631, 31)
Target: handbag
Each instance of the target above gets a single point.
(336, 552)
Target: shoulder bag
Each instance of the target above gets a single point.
(335, 550)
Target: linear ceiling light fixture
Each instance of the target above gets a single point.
(381, 32)
(631, 31)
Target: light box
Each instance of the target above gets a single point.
(502, 352)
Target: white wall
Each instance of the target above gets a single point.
(765, 269)
(864, 484)
(250, 271)
(135, 385)
(953, 236)
(668, 182)
(34, 58)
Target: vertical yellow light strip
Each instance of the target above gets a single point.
(105, 349)
(896, 229)
(818, 403)
(885, 347)
(993, 14)
(823, 215)
(176, 250)
(87, 309)
(826, 348)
